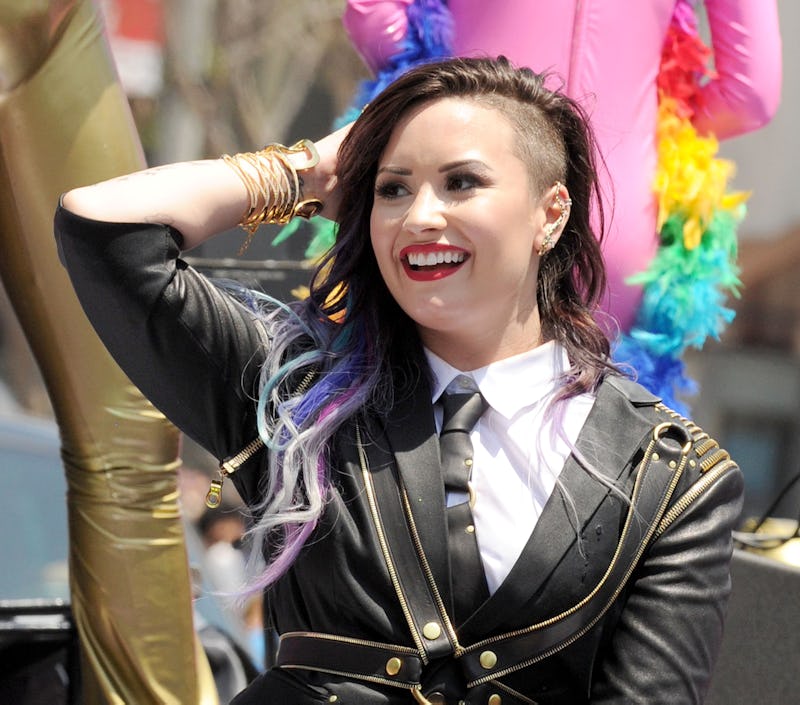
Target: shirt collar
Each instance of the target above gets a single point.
(510, 384)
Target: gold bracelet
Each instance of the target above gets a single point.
(274, 186)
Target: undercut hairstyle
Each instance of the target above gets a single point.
(554, 141)
(353, 339)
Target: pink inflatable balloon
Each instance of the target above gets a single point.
(606, 55)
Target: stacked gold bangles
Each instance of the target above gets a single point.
(274, 185)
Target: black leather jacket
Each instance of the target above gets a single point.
(194, 352)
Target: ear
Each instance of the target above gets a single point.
(557, 203)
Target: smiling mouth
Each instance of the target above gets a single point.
(432, 265)
(419, 261)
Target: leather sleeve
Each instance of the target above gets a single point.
(670, 629)
(192, 349)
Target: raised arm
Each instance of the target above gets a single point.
(747, 56)
(198, 198)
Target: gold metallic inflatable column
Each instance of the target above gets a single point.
(64, 121)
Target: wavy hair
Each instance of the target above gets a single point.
(363, 349)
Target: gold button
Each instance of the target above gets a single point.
(333, 698)
(470, 529)
(393, 666)
(431, 631)
(468, 462)
(488, 659)
(673, 464)
(655, 456)
(495, 699)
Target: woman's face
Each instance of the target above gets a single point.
(456, 231)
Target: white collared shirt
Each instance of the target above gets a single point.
(518, 452)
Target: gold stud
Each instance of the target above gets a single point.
(431, 631)
(470, 529)
(393, 666)
(656, 456)
(495, 699)
(673, 464)
(468, 462)
(333, 699)
(488, 659)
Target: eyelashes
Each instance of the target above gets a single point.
(457, 182)
(465, 181)
(390, 190)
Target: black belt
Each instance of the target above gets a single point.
(386, 664)
(399, 666)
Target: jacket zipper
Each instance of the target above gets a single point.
(384, 545)
(697, 489)
(642, 547)
(458, 650)
(232, 464)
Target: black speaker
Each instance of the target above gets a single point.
(39, 653)
(759, 663)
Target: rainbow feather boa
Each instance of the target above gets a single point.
(687, 283)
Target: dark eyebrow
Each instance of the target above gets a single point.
(401, 171)
(465, 162)
(394, 170)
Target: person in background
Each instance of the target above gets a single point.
(222, 530)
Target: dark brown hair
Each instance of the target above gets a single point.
(553, 139)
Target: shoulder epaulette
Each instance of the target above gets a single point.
(707, 458)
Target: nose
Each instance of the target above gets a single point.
(426, 212)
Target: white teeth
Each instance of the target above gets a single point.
(419, 259)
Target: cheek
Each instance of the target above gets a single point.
(375, 236)
(381, 234)
(381, 248)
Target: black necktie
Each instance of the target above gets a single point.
(462, 405)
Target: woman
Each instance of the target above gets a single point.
(602, 521)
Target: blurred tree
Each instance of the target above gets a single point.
(239, 73)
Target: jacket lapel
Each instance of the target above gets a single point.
(611, 436)
(411, 433)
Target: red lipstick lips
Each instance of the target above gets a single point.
(431, 262)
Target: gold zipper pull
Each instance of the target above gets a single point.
(416, 691)
(214, 495)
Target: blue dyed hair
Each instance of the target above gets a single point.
(352, 337)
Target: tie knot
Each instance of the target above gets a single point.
(462, 405)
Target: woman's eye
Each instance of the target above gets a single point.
(390, 190)
(462, 182)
